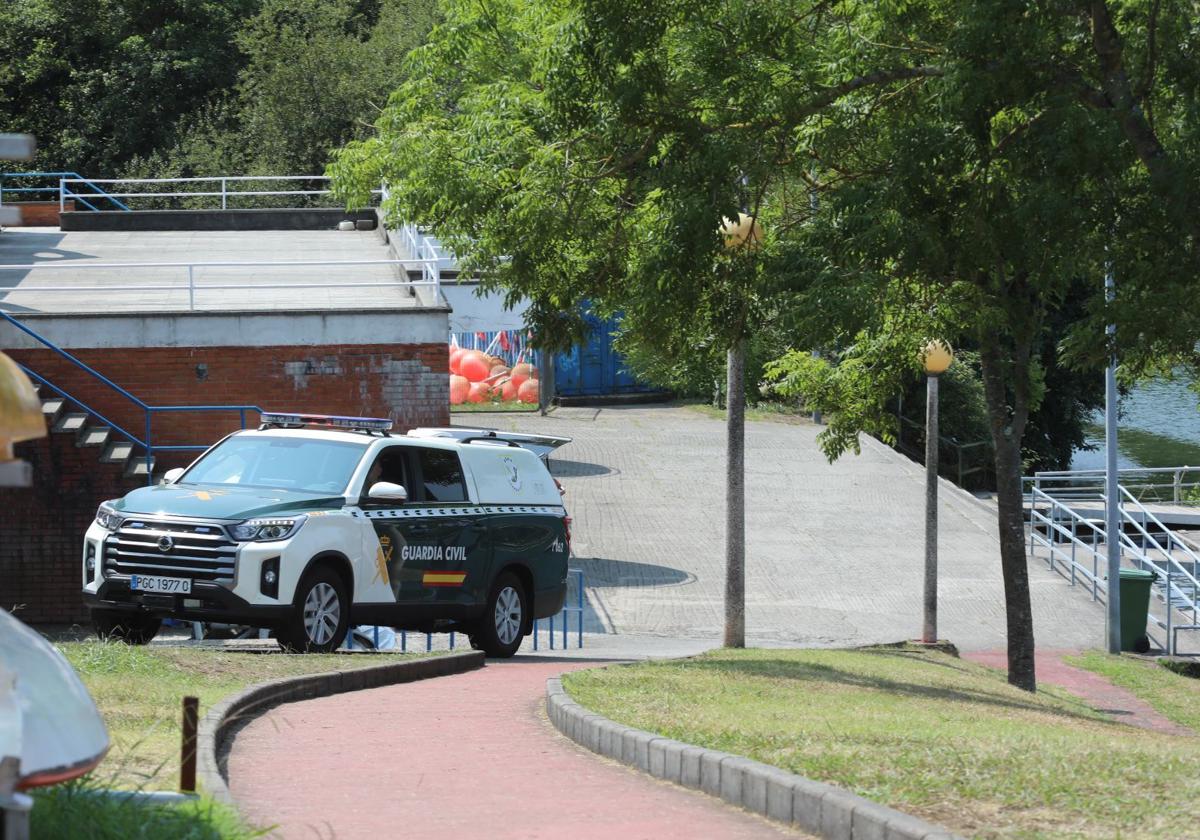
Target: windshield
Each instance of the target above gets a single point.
(309, 465)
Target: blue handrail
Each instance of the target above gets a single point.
(150, 410)
(58, 188)
(578, 609)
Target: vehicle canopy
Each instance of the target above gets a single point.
(540, 445)
(508, 474)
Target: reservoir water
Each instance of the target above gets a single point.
(1159, 426)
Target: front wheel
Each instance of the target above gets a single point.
(320, 616)
(501, 628)
(129, 627)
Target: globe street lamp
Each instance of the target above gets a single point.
(936, 356)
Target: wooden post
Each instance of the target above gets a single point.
(187, 750)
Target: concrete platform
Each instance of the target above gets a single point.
(165, 289)
(834, 553)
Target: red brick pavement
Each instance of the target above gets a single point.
(463, 756)
(1095, 690)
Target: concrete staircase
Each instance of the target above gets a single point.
(65, 418)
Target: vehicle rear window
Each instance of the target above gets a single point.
(443, 475)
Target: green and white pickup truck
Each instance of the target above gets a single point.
(311, 524)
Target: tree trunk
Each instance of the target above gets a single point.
(1008, 427)
(735, 498)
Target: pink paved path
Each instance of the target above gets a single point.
(463, 756)
(1095, 690)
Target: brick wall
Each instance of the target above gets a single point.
(42, 526)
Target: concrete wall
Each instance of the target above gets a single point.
(41, 533)
(472, 312)
(42, 526)
(423, 325)
(306, 218)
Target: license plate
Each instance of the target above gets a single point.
(153, 583)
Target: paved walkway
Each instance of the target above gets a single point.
(1096, 691)
(469, 755)
(834, 554)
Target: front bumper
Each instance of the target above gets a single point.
(207, 602)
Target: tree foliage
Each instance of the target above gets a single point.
(966, 169)
(200, 87)
(99, 82)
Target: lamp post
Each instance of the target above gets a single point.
(936, 356)
(742, 233)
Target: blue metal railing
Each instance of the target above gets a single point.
(57, 189)
(146, 443)
(578, 608)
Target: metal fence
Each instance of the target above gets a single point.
(26, 185)
(188, 280)
(966, 464)
(1164, 485)
(539, 625)
(1075, 539)
(225, 191)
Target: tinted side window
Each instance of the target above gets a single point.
(443, 476)
(388, 466)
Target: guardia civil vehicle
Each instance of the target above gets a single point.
(310, 524)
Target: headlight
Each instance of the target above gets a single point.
(107, 518)
(262, 530)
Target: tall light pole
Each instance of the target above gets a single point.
(742, 233)
(936, 356)
(1112, 520)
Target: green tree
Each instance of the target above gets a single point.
(101, 82)
(987, 202)
(971, 159)
(591, 151)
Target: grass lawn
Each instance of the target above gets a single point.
(73, 810)
(1172, 695)
(139, 691)
(922, 731)
(489, 406)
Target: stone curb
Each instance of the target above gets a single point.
(217, 725)
(818, 808)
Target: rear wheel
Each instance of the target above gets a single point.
(501, 628)
(320, 616)
(133, 628)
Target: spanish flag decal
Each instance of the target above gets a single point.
(443, 578)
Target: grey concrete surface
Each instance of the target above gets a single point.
(48, 246)
(834, 551)
(263, 328)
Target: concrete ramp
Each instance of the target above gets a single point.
(835, 552)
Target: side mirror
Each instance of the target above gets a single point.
(171, 476)
(386, 491)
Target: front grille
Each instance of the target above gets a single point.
(198, 550)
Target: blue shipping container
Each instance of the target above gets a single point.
(595, 368)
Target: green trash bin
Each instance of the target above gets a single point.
(1135, 608)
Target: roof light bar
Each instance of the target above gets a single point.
(365, 424)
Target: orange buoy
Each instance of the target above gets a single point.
(528, 392)
(508, 390)
(459, 387)
(456, 358)
(498, 371)
(522, 372)
(479, 392)
(474, 365)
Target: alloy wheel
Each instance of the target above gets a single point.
(508, 615)
(322, 613)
